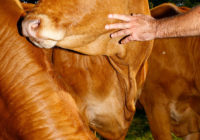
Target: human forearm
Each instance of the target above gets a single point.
(144, 27)
(182, 25)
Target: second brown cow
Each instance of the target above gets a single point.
(171, 97)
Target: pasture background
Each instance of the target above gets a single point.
(187, 3)
(139, 129)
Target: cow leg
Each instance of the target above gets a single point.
(192, 136)
(159, 123)
(155, 105)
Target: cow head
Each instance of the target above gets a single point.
(72, 24)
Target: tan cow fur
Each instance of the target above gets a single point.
(33, 104)
(171, 96)
(105, 87)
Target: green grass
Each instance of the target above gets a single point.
(139, 129)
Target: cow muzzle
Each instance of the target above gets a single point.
(41, 31)
(29, 28)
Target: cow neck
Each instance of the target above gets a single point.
(121, 58)
(126, 59)
(127, 68)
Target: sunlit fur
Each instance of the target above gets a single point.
(33, 104)
(171, 96)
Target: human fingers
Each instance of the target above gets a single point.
(127, 39)
(120, 17)
(118, 26)
(121, 33)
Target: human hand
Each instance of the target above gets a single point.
(136, 27)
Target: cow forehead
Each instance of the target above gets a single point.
(74, 6)
(67, 13)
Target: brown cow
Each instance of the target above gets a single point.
(171, 96)
(105, 87)
(33, 104)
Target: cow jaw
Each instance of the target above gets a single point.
(42, 31)
(94, 45)
(43, 43)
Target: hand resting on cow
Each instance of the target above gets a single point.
(143, 27)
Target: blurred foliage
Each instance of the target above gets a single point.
(187, 3)
(29, 1)
(139, 129)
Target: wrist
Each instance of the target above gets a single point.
(157, 34)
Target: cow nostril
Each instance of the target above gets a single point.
(29, 27)
(34, 24)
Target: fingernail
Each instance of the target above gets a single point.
(110, 35)
(110, 16)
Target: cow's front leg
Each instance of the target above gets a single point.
(155, 105)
